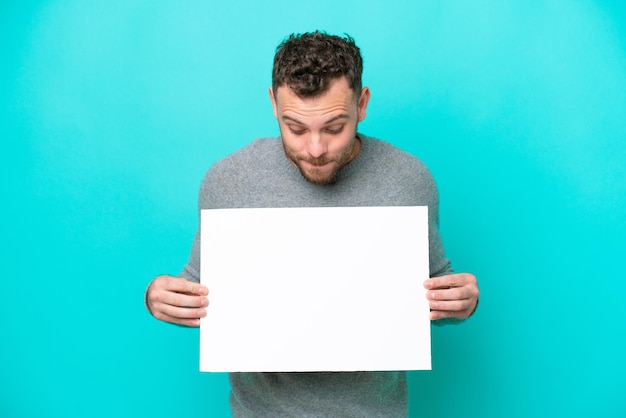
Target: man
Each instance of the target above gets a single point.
(318, 101)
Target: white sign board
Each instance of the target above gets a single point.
(315, 289)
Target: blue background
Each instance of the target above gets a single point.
(111, 111)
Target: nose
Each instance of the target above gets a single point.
(316, 147)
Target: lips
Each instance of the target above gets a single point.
(317, 162)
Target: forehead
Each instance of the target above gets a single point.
(338, 98)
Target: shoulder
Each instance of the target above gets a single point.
(399, 174)
(257, 150)
(394, 160)
(231, 173)
(256, 153)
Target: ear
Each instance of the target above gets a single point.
(273, 100)
(364, 99)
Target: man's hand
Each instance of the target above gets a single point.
(452, 296)
(176, 300)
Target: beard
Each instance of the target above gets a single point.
(321, 170)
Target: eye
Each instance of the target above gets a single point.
(296, 131)
(334, 130)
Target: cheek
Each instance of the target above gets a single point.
(341, 145)
(291, 145)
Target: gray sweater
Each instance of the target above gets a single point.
(260, 176)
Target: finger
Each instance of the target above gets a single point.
(196, 289)
(179, 299)
(451, 306)
(180, 285)
(453, 293)
(169, 311)
(436, 315)
(188, 322)
(450, 280)
(158, 295)
(179, 312)
(441, 282)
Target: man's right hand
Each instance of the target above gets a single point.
(176, 300)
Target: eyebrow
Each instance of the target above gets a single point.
(331, 120)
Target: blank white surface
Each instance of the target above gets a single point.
(315, 289)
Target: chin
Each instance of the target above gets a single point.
(318, 178)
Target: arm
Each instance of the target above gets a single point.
(182, 300)
(176, 300)
(452, 296)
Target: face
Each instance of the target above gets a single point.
(319, 134)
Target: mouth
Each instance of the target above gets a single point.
(317, 172)
(316, 164)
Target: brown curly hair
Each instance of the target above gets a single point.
(309, 62)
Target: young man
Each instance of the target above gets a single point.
(319, 160)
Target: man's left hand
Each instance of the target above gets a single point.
(452, 296)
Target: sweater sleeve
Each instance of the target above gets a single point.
(439, 264)
(191, 270)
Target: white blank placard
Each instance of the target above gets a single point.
(315, 289)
